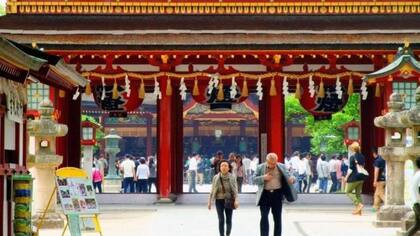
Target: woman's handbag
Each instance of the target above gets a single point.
(229, 202)
(361, 171)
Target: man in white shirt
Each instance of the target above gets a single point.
(294, 168)
(247, 166)
(142, 176)
(332, 167)
(192, 173)
(127, 168)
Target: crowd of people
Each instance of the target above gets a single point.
(199, 170)
(138, 173)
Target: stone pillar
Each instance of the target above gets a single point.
(390, 214)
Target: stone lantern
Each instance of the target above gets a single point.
(411, 118)
(44, 161)
(390, 214)
(112, 141)
(88, 142)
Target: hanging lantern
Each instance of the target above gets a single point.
(141, 90)
(350, 87)
(322, 108)
(196, 92)
(298, 90)
(115, 90)
(244, 92)
(273, 90)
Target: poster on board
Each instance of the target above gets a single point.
(77, 196)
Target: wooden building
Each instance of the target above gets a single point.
(268, 48)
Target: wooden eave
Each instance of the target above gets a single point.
(213, 7)
(202, 31)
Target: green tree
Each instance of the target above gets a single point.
(327, 135)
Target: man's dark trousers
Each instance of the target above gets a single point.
(271, 200)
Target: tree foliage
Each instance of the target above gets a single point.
(327, 135)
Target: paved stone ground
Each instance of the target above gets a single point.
(196, 220)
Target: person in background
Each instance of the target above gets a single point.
(332, 168)
(378, 179)
(239, 172)
(302, 173)
(339, 172)
(152, 176)
(215, 162)
(192, 174)
(142, 175)
(254, 163)
(354, 179)
(323, 173)
(310, 174)
(201, 167)
(97, 179)
(127, 169)
(224, 187)
(102, 164)
(231, 157)
(247, 168)
(294, 167)
(344, 170)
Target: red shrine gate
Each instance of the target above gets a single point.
(277, 47)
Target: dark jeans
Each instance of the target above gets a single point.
(302, 183)
(221, 211)
(271, 200)
(142, 185)
(97, 185)
(239, 181)
(334, 182)
(128, 183)
(192, 184)
(152, 180)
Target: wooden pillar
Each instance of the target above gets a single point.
(60, 105)
(70, 115)
(371, 136)
(272, 122)
(165, 130)
(149, 141)
(177, 141)
(74, 133)
(262, 128)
